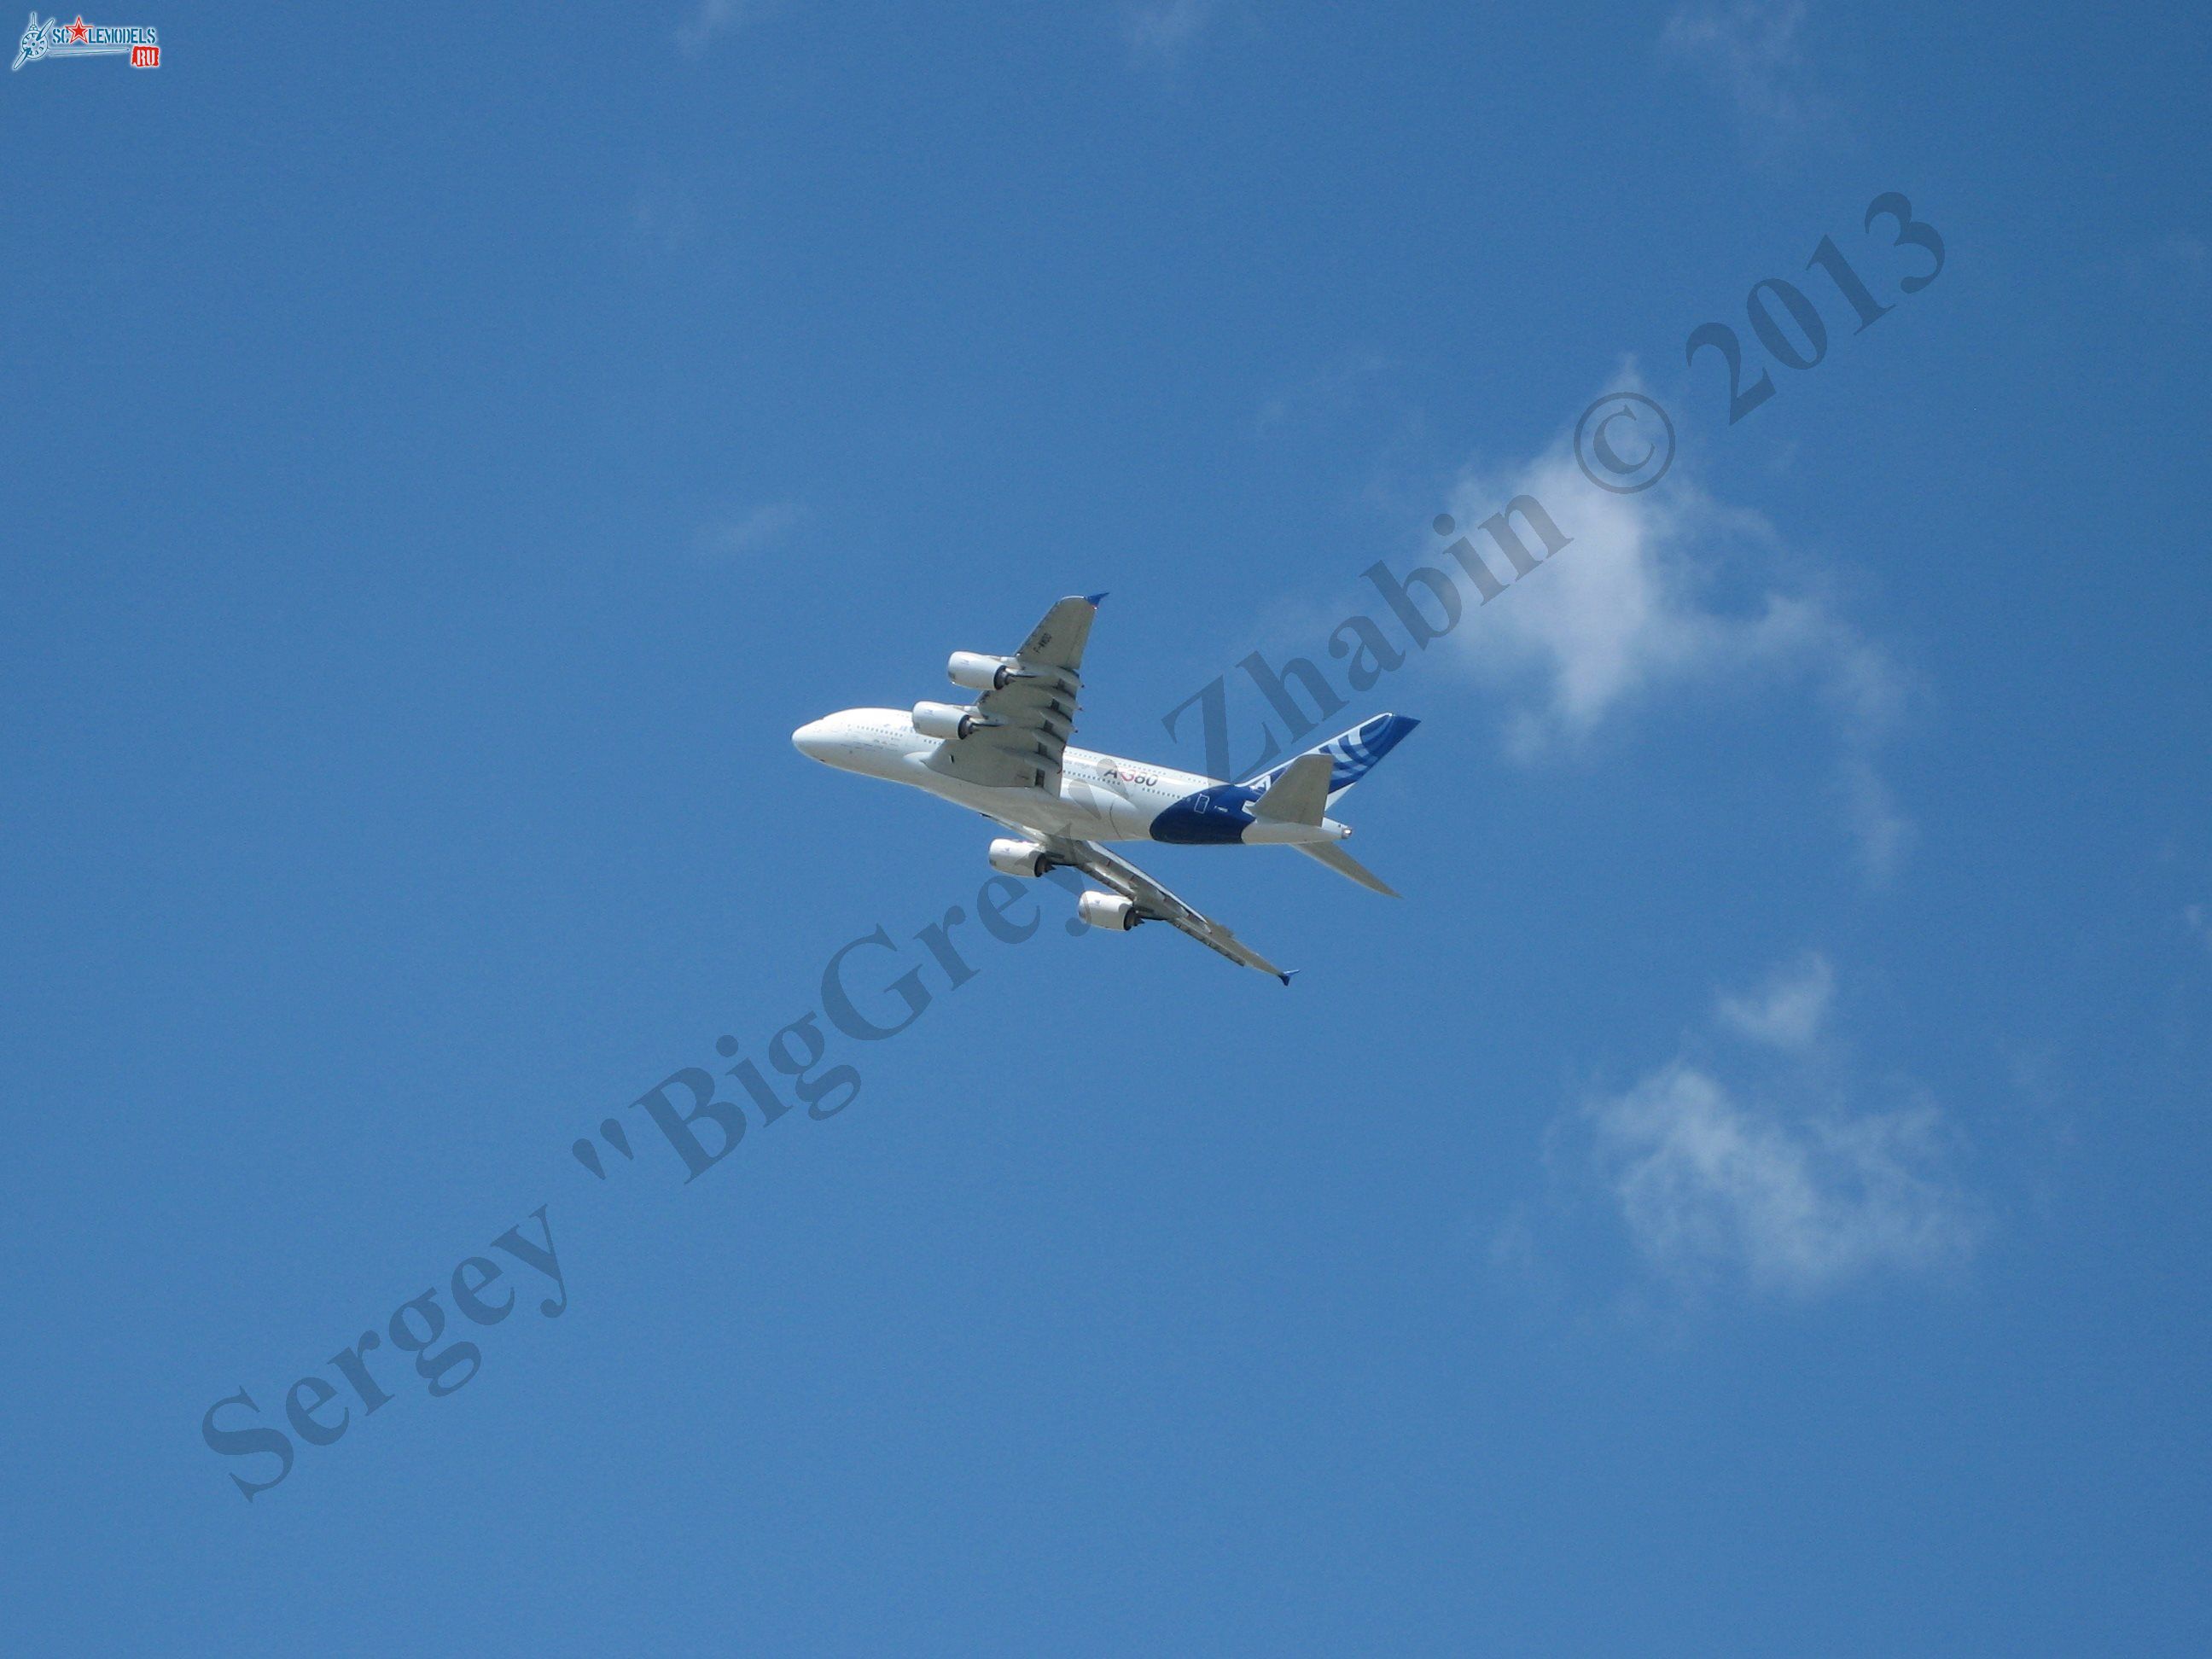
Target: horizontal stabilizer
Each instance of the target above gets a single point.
(1334, 856)
(1299, 793)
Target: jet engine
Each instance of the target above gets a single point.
(1108, 911)
(1019, 858)
(977, 672)
(945, 720)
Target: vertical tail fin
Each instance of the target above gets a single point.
(1353, 754)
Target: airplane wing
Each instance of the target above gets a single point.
(1035, 709)
(1152, 901)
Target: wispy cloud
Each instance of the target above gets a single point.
(1796, 1177)
(1331, 387)
(733, 537)
(1788, 1010)
(2199, 919)
(1880, 828)
(1753, 51)
(1631, 608)
(1163, 30)
(664, 214)
(1712, 1181)
(713, 18)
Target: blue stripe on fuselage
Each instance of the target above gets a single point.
(1210, 816)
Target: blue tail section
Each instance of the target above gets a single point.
(1353, 754)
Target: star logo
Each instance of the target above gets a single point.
(78, 34)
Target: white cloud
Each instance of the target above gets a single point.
(733, 537)
(1631, 607)
(1789, 1009)
(1794, 1198)
(1789, 1172)
(1752, 51)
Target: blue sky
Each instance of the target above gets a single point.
(1748, 1196)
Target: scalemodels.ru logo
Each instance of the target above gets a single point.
(55, 39)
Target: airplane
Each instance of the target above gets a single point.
(1007, 757)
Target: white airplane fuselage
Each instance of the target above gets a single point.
(1101, 797)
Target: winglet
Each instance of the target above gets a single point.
(1285, 976)
(1092, 599)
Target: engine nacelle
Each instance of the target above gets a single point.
(1019, 858)
(945, 720)
(1108, 911)
(978, 672)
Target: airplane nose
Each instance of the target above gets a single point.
(810, 739)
